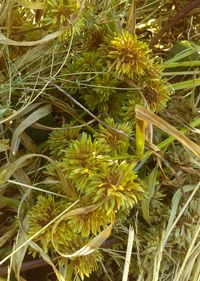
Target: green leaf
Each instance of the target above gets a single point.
(140, 136)
(151, 188)
(10, 202)
(189, 84)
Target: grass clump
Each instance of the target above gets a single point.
(81, 91)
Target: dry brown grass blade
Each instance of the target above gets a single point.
(143, 114)
(90, 247)
(9, 234)
(32, 118)
(93, 244)
(128, 253)
(30, 56)
(21, 112)
(11, 168)
(4, 145)
(28, 143)
(6, 41)
(131, 22)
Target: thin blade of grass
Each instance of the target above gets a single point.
(37, 189)
(190, 265)
(9, 234)
(196, 269)
(28, 143)
(9, 202)
(182, 63)
(187, 52)
(21, 112)
(6, 41)
(131, 21)
(128, 253)
(8, 170)
(30, 56)
(151, 188)
(140, 136)
(188, 84)
(170, 139)
(174, 208)
(171, 224)
(32, 118)
(48, 260)
(18, 257)
(93, 244)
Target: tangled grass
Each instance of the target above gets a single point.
(86, 185)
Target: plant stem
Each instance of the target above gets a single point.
(70, 270)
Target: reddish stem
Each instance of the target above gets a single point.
(171, 22)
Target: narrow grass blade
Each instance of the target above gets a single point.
(128, 254)
(18, 257)
(48, 260)
(9, 234)
(8, 170)
(6, 41)
(131, 21)
(182, 63)
(140, 136)
(4, 145)
(32, 118)
(151, 188)
(188, 84)
(187, 52)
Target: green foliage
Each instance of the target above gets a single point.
(116, 135)
(182, 236)
(59, 139)
(101, 77)
(156, 93)
(91, 223)
(83, 160)
(116, 184)
(45, 209)
(129, 56)
(63, 14)
(100, 62)
(110, 185)
(82, 266)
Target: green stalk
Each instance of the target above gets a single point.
(181, 64)
(180, 56)
(70, 270)
(189, 84)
